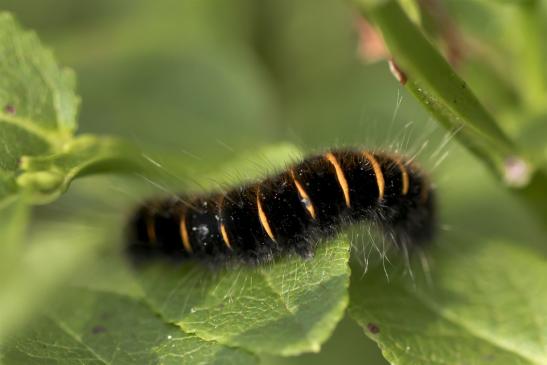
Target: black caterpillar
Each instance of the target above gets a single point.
(290, 211)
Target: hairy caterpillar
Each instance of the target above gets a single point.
(290, 211)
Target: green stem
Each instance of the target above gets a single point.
(531, 47)
(435, 84)
(533, 195)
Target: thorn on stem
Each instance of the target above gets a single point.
(397, 72)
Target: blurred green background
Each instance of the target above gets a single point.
(200, 81)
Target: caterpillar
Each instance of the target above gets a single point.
(292, 210)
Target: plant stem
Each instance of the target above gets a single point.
(533, 195)
(531, 47)
(440, 90)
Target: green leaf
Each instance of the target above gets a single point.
(485, 303)
(35, 94)
(38, 105)
(287, 308)
(268, 159)
(38, 109)
(36, 271)
(94, 327)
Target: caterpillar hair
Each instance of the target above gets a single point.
(291, 211)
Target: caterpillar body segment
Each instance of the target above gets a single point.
(291, 210)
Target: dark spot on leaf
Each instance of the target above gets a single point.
(98, 329)
(9, 109)
(374, 329)
(489, 357)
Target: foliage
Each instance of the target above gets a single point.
(286, 308)
(238, 78)
(454, 314)
(100, 332)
